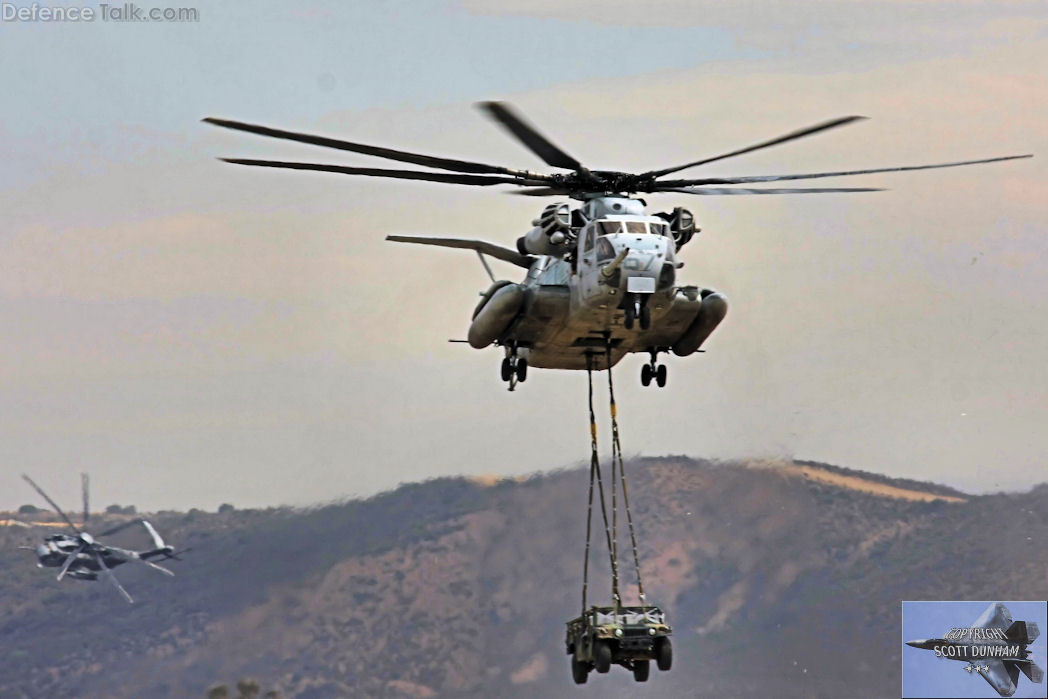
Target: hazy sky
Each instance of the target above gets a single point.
(193, 333)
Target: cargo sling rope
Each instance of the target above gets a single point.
(618, 475)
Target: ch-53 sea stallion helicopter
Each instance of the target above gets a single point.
(594, 272)
(82, 557)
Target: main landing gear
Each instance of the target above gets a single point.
(636, 308)
(514, 369)
(653, 370)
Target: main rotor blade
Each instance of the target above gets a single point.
(540, 192)
(83, 490)
(496, 251)
(51, 502)
(388, 153)
(793, 135)
(447, 178)
(814, 175)
(529, 136)
(69, 562)
(112, 578)
(741, 190)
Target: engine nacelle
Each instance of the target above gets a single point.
(554, 218)
(552, 234)
(536, 242)
(682, 225)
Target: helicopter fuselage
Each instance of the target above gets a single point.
(573, 307)
(55, 549)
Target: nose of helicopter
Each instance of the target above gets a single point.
(641, 269)
(41, 551)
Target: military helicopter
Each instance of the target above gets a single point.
(594, 272)
(82, 557)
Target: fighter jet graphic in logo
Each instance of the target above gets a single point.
(994, 646)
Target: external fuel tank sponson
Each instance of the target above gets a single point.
(711, 313)
(493, 318)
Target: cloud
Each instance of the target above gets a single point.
(204, 316)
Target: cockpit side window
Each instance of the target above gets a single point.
(590, 235)
(605, 250)
(636, 227)
(658, 228)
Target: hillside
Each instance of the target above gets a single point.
(781, 579)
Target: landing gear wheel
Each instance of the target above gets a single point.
(507, 369)
(663, 654)
(645, 375)
(601, 656)
(631, 311)
(522, 370)
(641, 670)
(645, 318)
(579, 671)
(660, 375)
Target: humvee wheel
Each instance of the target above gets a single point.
(601, 656)
(579, 671)
(641, 670)
(664, 654)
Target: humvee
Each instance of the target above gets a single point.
(631, 637)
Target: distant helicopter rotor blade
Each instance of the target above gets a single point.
(83, 490)
(51, 502)
(112, 578)
(158, 541)
(727, 191)
(175, 554)
(135, 556)
(388, 153)
(529, 136)
(667, 184)
(447, 178)
(161, 568)
(793, 135)
(119, 527)
(70, 559)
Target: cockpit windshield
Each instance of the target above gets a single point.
(631, 228)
